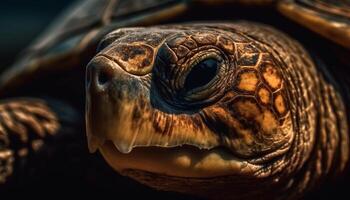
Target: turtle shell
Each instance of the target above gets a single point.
(72, 40)
(331, 19)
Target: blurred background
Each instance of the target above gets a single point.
(21, 21)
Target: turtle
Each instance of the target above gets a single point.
(239, 103)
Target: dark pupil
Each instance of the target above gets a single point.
(201, 74)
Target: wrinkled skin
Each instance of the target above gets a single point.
(215, 110)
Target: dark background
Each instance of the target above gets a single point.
(21, 21)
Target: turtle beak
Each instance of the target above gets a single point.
(111, 97)
(121, 109)
(98, 74)
(103, 79)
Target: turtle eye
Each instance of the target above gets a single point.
(201, 74)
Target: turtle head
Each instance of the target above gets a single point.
(179, 103)
(195, 105)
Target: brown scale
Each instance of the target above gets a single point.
(181, 51)
(190, 43)
(245, 48)
(248, 59)
(247, 81)
(204, 38)
(226, 44)
(263, 95)
(271, 76)
(252, 114)
(176, 40)
(182, 45)
(280, 104)
(259, 81)
(246, 124)
(134, 56)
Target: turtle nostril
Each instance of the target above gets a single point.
(102, 77)
(104, 74)
(100, 72)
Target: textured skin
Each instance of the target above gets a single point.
(268, 105)
(272, 110)
(24, 124)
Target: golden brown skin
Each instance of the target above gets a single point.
(229, 111)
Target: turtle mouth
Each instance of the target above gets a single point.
(179, 161)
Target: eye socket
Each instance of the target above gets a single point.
(201, 74)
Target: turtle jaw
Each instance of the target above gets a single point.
(181, 161)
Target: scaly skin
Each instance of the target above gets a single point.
(266, 125)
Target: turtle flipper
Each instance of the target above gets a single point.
(6, 159)
(26, 125)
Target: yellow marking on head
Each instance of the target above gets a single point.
(247, 109)
(272, 77)
(264, 118)
(264, 95)
(268, 122)
(248, 81)
(133, 58)
(245, 135)
(279, 104)
(233, 123)
(139, 56)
